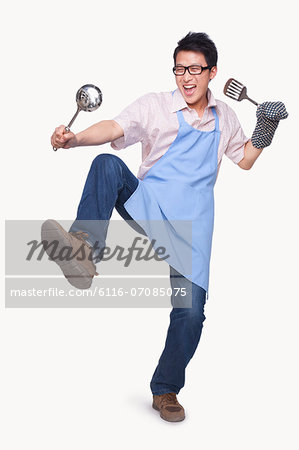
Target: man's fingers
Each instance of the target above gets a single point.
(67, 135)
(59, 131)
(53, 140)
(58, 143)
(60, 138)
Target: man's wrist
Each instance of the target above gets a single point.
(251, 153)
(76, 141)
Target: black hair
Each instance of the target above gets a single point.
(198, 42)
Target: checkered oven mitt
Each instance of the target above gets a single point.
(268, 116)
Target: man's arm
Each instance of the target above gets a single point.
(250, 156)
(99, 133)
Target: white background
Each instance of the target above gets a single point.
(79, 379)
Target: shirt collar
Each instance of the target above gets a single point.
(179, 103)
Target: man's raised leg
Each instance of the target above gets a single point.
(109, 184)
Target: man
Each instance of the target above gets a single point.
(192, 131)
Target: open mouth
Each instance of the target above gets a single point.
(189, 89)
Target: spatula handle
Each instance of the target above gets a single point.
(252, 101)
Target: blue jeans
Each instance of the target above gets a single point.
(109, 184)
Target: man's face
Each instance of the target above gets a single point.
(194, 87)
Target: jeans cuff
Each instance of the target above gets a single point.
(165, 391)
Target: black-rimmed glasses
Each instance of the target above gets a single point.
(193, 70)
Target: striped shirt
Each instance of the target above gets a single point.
(152, 120)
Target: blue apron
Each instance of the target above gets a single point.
(176, 192)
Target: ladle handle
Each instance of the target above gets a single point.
(68, 127)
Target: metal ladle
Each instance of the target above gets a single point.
(88, 98)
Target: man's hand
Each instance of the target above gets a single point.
(62, 139)
(268, 116)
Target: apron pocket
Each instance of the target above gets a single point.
(177, 200)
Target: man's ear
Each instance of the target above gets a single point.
(213, 73)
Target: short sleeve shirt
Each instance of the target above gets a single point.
(152, 120)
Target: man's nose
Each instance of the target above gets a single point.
(187, 76)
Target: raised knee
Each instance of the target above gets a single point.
(105, 158)
(106, 162)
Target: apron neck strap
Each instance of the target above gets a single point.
(180, 117)
(216, 118)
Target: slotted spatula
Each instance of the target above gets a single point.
(237, 91)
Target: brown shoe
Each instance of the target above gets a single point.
(169, 407)
(71, 252)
